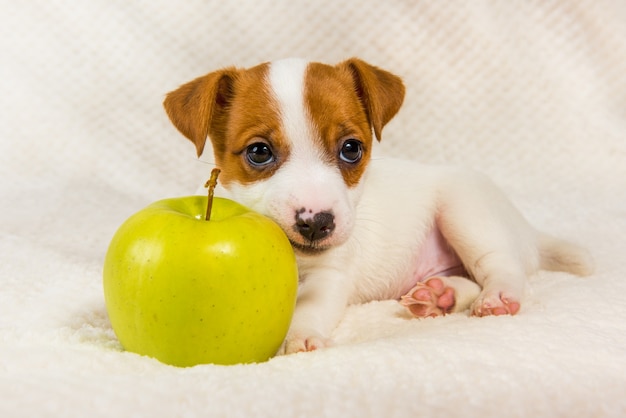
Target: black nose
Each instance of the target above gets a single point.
(321, 225)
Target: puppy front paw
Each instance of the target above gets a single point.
(303, 341)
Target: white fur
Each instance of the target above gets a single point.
(398, 208)
(383, 224)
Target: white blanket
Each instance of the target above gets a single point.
(531, 93)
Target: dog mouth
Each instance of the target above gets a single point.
(310, 248)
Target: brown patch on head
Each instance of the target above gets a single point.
(345, 102)
(236, 109)
(337, 116)
(254, 117)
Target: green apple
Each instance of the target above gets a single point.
(189, 291)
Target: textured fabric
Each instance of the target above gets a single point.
(533, 93)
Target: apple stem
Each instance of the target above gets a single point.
(211, 183)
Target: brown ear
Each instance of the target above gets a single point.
(380, 92)
(195, 107)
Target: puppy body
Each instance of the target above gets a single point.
(294, 139)
(392, 249)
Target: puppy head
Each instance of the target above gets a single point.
(292, 138)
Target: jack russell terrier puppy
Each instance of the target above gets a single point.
(294, 139)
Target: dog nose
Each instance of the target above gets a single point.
(321, 225)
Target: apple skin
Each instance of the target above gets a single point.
(188, 291)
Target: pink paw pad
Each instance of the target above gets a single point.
(430, 298)
(500, 306)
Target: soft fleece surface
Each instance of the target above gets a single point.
(532, 93)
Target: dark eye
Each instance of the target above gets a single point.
(351, 151)
(259, 154)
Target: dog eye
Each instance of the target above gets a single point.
(259, 154)
(351, 151)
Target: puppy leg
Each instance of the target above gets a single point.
(503, 283)
(495, 243)
(322, 300)
(497, 266)
(440, 295)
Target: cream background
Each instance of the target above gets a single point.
(531, 92)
